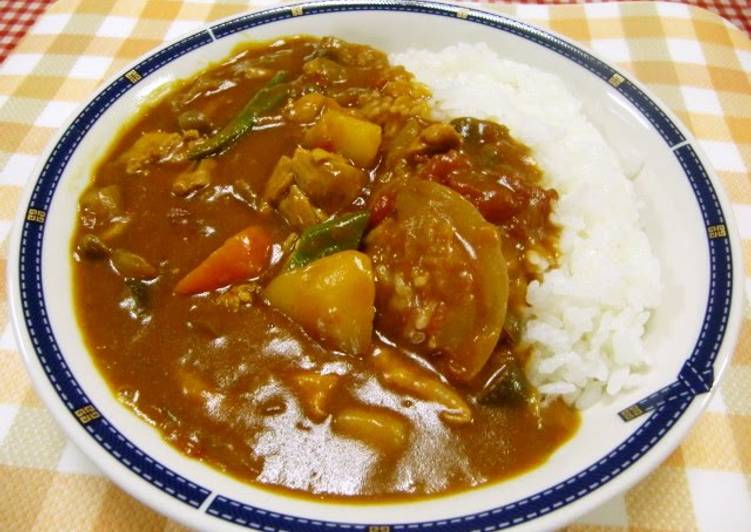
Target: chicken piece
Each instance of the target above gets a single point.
(200, 88)
(99, 206)
(194, 120)
(325, 70)
(314, 392)
(436, 138)
(280, 181)
(402, 141)
(311, 184)
(195, 179)
(116, 228)
(326, 178)
(251, 69)
(244, 192)
(297, 209)
(153, 147)
(132, 266)
(377, 427)
(400, 373)
(101, 210)
(441, 137)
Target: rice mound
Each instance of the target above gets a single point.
(587, 316)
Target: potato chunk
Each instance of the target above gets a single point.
(307, 108)
(331, 298)
(378, 427)
(356, 139)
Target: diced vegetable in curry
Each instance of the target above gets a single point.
(296, 275)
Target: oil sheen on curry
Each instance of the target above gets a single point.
(298, 277)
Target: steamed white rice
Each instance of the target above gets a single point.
(587, 316)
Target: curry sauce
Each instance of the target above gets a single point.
(297, 275)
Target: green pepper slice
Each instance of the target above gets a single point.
(266, 99)
(332, 236)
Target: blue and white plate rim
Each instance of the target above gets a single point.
(64, 396)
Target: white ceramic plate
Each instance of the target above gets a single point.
(690, 336)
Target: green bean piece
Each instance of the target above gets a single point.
(266, 99)
(335, 235)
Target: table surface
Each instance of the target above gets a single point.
(17, 16)
(696, 62)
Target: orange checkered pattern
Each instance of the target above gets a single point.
(695, 61)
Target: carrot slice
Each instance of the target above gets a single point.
(242, 256)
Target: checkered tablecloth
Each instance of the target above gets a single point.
(17, 16)
(696, 62)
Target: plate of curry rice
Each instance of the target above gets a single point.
(442, 269)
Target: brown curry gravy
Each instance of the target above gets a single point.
(211, 378)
